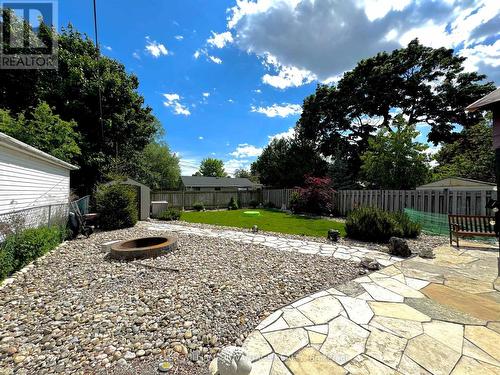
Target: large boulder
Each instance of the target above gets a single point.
(399, 247)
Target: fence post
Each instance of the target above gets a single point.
(48, 220)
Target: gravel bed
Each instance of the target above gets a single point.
(76, 311)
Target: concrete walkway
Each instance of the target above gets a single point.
(419, 316)
(353, 253)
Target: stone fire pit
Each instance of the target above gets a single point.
(140, 248)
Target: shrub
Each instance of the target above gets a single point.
(117, 205)
(23, 247)
(269, 205)
(170, 214)
(316, 197)
(233, 205)
(253, 204)
(373, 224)
(199, 206)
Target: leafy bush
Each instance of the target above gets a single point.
(373, 224)
(253, 204)
(233, 205)
(199, 206)
(23, 247)
(170, 214)
(117, 205)
(316, 197)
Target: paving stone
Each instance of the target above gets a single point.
(256, 346)
(351, 289)
(390, 271)
(295, 318)
(397, 310)
(278, 367)
(471, 350)
(270, 319)
(345, 340)
(432, 355)
(335, 292)
(399, 288)
(479, 307)
(323, 329)
(357, 309)
(363, 365)
(404, 328)
(381, 294)
(440, 312)
(485, 339)
(262, 366)
(310, 361)
(365, 296)
(400, 277)
(449, 334)
(363, 279)
(468, 366)
(385, 347)
(495, 326)
(407, 366)
(469, 285)
(321, 310)
(301, 301)
(288, 341)
(316, 338)
(276, 326)
(416, 283)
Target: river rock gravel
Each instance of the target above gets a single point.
(75, 311)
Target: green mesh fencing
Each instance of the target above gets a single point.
(431, 223)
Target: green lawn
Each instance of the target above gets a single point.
(269, 220)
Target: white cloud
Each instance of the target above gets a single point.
(311, 40)
(179, 37)
(173, 101)
(257, 91)
(203, 52)
(200, 138)
(220, 40)
(206, 94)
(108, 48)
(189, 165)
(215, 59)
(485, 58)
(245, 150)
(135, 55)
(286, 134)
(277, 110)
(155, 49)
(230, 166)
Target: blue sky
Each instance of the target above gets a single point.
(225, 76)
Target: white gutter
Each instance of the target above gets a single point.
(16, 145)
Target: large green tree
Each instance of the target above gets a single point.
(471, 155)
(424, 84)
(159, 168)
(127, 125)
(212, 167)
(285, 162)
(41, 128)
(244, 173)
(394, 160)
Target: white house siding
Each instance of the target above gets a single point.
(28, 181)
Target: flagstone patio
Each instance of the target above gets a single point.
(418, 316)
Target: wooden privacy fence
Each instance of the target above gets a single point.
(433, 201)
(220, 199)
(210, 199)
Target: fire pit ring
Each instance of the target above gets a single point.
(145, 247)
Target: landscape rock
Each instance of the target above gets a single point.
(399, 247)
(369, 263)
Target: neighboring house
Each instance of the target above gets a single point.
(458, 183)
(202, 183)
(30, 177)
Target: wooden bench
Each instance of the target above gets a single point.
(470, 226)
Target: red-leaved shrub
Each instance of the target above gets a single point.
(316, 197)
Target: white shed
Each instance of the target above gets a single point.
(30, 177)
(458, 183)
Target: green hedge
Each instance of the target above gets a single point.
(373, 224)
(117, 205)
(22, 248)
